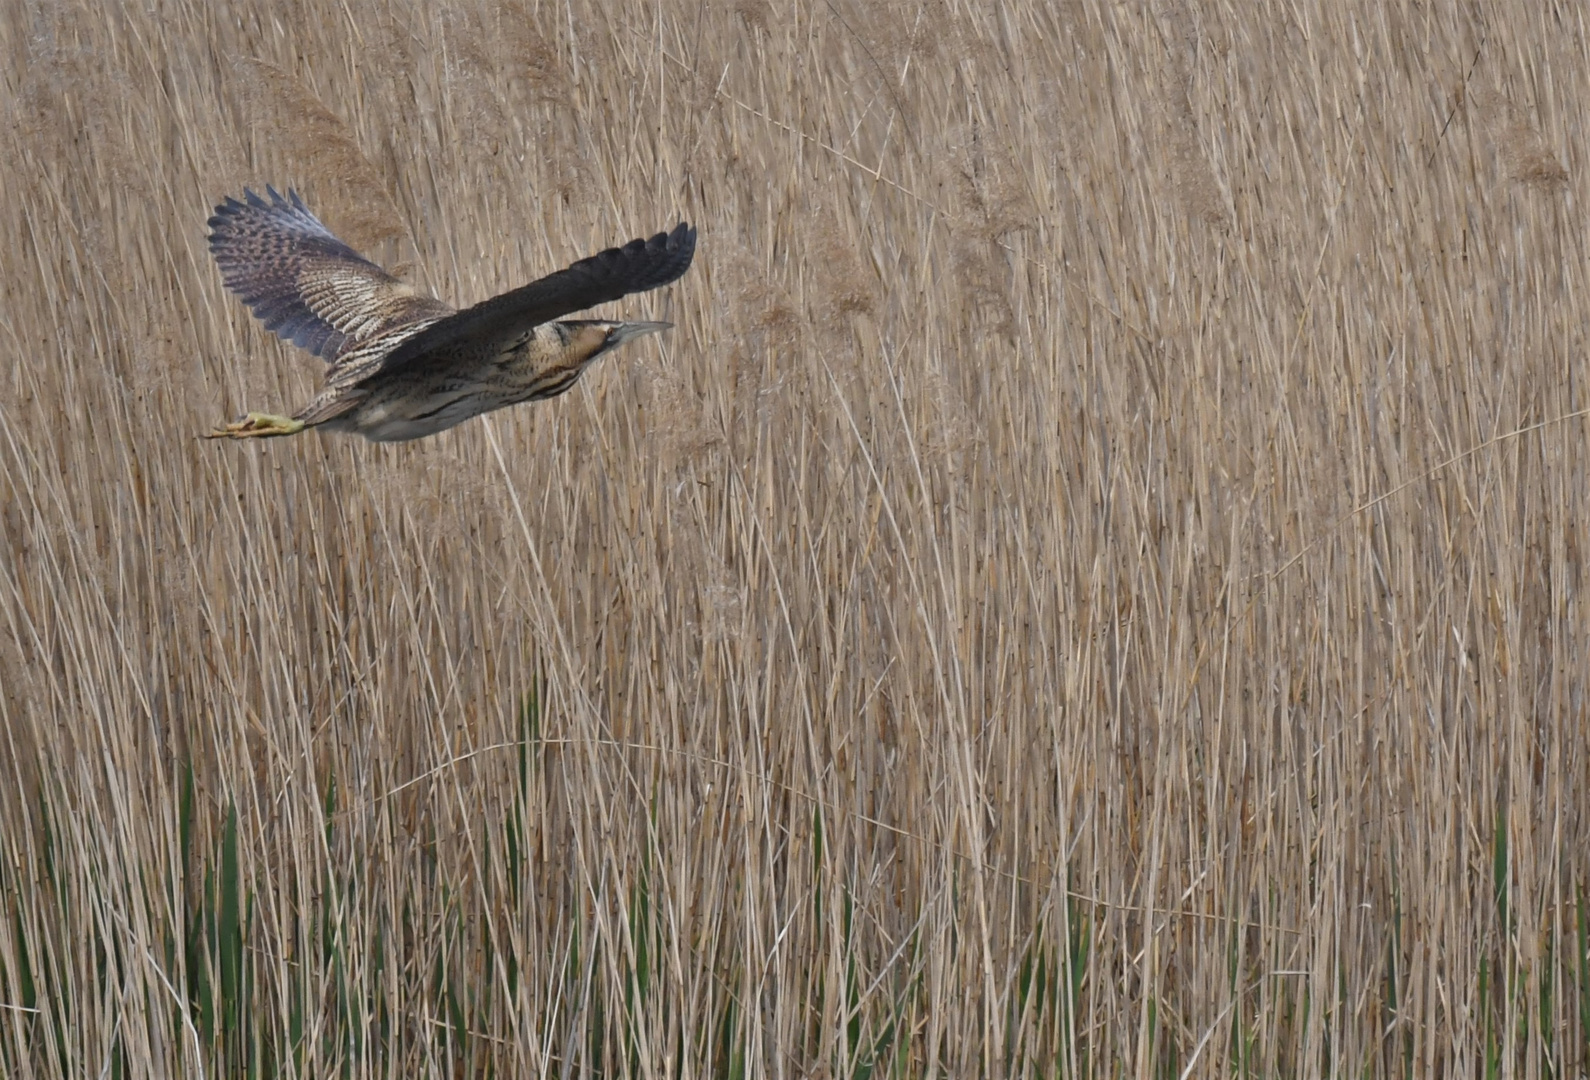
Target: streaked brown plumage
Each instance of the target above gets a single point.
(404, 365)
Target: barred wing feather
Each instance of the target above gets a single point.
(302, 282)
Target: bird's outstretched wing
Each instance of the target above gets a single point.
(481, 332)
(302, 282)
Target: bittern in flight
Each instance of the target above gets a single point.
(404, 365)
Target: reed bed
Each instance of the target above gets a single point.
(1091, 585)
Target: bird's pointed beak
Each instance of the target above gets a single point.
(629, 331)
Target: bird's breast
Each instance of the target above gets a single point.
(546, 362)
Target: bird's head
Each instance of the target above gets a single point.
(605, 336)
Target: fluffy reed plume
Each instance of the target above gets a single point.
(1524, 154)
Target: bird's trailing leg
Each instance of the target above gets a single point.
(258, 425)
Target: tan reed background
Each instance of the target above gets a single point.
(1090, 586)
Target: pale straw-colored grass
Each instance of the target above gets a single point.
(1090, 586)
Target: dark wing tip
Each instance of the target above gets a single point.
(229, 209)
(638, 266)
(230, 215)
(681, 243)
(662, 259)
(225, 216)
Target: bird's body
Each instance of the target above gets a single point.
(404, 365)
(547, 361)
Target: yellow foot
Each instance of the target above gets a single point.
(258, 425)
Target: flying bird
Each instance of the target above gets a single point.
(404, 365)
